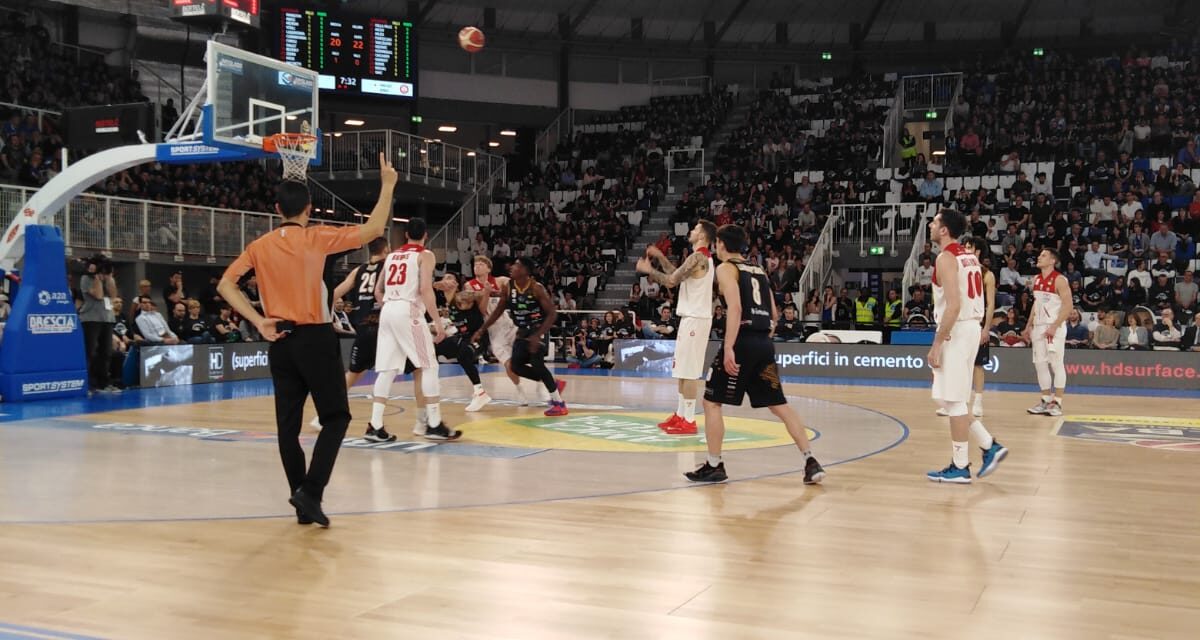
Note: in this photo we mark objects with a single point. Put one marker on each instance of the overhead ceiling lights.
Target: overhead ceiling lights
(493, 144)
(508, 132)
(448, 128)
(470, 154)
(354, 122)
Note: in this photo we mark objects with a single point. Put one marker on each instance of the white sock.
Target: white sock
(422, 417)
(714, 461)
(556, 396)
(377, 414)
(689, 410)
(960, 455)
(1047, 398)
(434, 412)
(479, 388)
(979, 399)
(806, 454)
(679, 405)
(981, 434)
(1057, 399)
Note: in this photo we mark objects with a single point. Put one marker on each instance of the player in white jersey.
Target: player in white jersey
(501, 335)
(695, 281)
(405, 287)
(958, 308)
(1047, 332)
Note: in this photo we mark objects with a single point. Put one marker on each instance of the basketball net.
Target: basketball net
(296, 151)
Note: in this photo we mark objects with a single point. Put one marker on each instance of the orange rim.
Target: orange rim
(271, 144)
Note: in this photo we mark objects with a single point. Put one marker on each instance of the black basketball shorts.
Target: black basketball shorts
(984, 355)
(362, 352)
(757, 376)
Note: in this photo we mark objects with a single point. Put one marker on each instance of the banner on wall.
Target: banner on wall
(1089, 368)
(168, 366)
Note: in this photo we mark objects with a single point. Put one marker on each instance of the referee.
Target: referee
(305, 354)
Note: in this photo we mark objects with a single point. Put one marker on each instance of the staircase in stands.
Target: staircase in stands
(616, 293)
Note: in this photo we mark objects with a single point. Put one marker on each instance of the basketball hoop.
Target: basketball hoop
(295, 150)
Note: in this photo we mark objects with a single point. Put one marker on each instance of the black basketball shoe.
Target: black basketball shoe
(442, 433)
(378, 435)
(814, 473)
(708, 473)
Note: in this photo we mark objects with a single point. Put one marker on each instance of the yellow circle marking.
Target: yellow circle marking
(620, 431)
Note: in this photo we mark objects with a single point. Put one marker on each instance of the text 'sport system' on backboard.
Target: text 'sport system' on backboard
(253, 97)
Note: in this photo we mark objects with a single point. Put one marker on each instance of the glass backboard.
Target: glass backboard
(253, 97)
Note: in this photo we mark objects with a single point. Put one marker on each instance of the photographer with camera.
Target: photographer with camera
(99, 290)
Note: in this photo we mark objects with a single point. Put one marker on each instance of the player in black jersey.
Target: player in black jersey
(746, 362)
(462, 321)
(533, 313)
(360, 286)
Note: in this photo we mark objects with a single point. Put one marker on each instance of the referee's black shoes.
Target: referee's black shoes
(308, 508)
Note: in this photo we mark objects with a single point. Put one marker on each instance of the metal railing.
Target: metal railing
(330, 206)
(42, 114)
(548, 140)
(929, 92)
(681, 85)
(417, 159)
(678, 167)
(869, 225)
(820, 262)
(92, 222)
(451, 243)
(920, 237)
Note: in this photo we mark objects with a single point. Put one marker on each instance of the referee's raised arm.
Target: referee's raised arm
(305, 354)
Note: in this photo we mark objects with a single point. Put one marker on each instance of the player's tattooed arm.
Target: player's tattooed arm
(695, 265)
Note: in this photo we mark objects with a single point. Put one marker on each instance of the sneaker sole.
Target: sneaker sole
(1000, 456)
(816, 479)
(1037, 413)
(378, 439)
(452, 437)
(471, 408)
(951, 480)
(941, 414)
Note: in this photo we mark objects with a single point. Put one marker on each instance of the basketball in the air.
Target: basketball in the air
(471, 39)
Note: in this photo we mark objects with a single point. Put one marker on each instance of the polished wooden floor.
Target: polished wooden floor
(1068, 539)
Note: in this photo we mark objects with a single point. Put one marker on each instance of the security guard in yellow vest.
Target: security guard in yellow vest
(908, 148)
(864, 308)
(892, 308)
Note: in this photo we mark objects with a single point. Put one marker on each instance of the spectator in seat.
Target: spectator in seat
(1191, 336)
(1042, 185)
(663, 328)
(1011, 280)
(916, 306)
(1133, 334)
(152, 326)
(1093, 261)
(789, 327)
(174, 292)
(1186, 293)
(178, 315)
(925, 273)
(341, 320)
(1139, 241)
(1187, 156)
(228, 328)
(931, 188)
(1022, 186)
(1130, 208)
(1168, 336)
(1106, 336)
(1104, 214)
(1097, 295)
(1163, 266)
(195, 328)
(1077, 331)
(1018, 213)
(1164, 240)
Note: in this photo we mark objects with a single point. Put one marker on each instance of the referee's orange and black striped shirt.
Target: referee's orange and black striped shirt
(289, 263)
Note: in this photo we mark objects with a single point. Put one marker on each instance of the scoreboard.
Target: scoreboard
(244, 12)
(355, 56)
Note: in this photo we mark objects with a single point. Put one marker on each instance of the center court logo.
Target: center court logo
(620, 432)
(1175, 434)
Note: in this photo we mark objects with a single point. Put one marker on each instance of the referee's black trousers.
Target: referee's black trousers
(309, 360)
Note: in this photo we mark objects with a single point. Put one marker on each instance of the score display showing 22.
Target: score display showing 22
(353, 56)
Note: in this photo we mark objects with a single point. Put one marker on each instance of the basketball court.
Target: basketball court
(162, 512)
